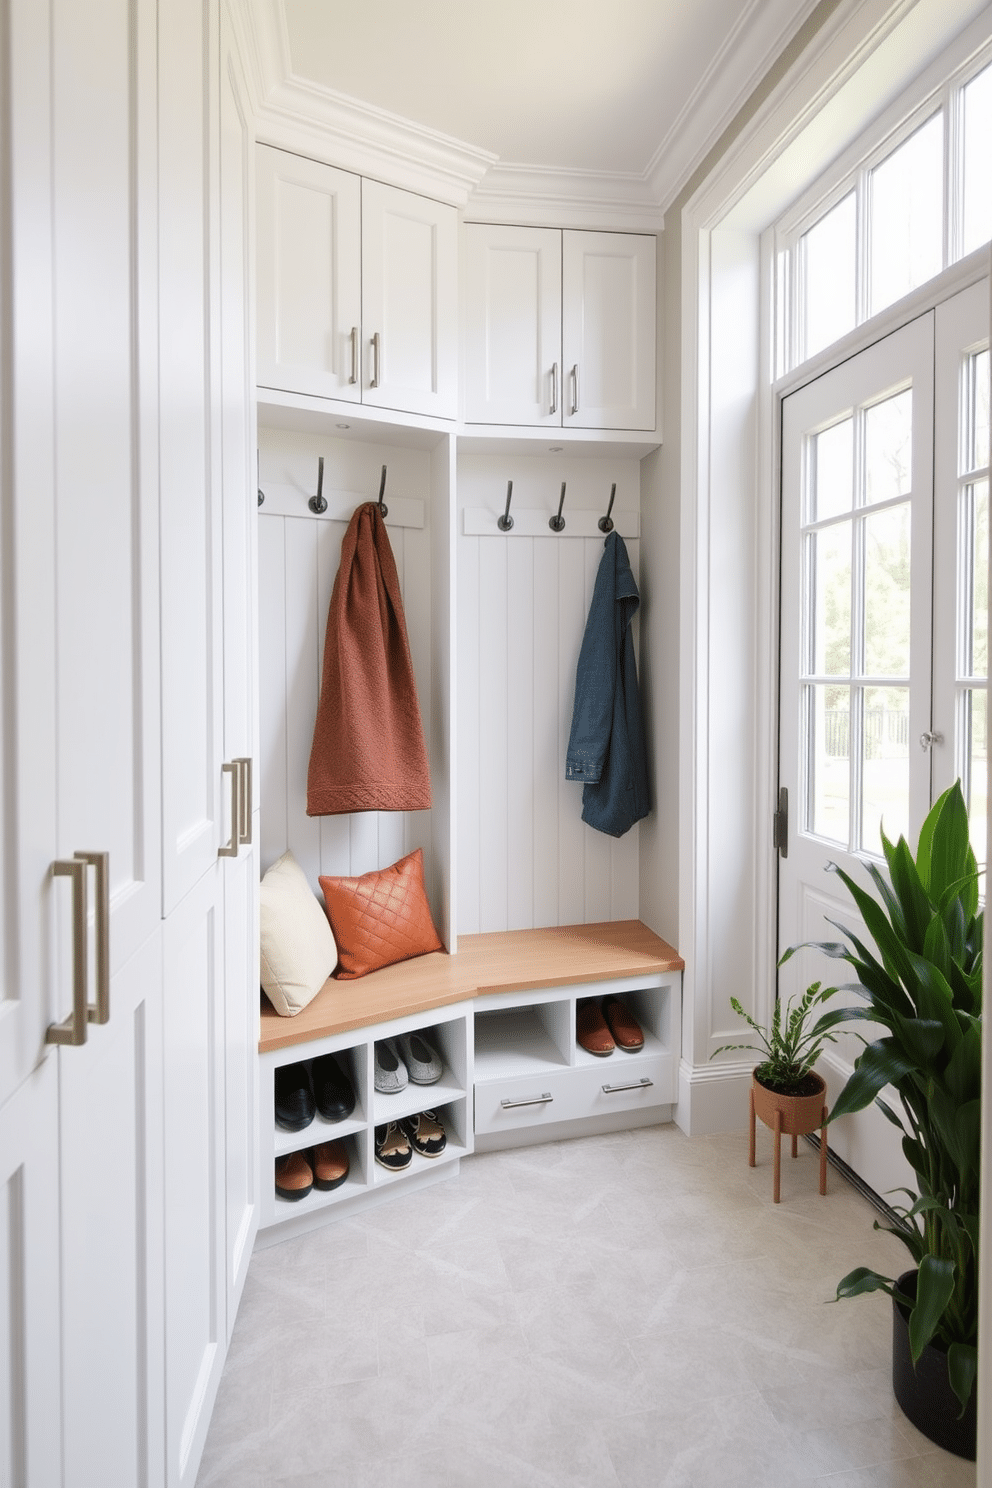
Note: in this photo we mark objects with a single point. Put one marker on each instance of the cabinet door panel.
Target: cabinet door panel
(608, 330)
(512, 324)
(409, 301)
(109, 1157)
(309, 276)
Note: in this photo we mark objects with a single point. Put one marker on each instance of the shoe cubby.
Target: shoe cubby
(454, 1116)
(533, 1077)
(449, 1033)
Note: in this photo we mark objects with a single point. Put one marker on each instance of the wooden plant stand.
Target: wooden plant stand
(795, 1115)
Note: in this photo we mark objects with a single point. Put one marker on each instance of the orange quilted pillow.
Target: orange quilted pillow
(380, 917)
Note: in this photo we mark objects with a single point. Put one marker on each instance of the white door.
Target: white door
(857, 513)
(309, 276)
(885, 480)
(409, 301)
(608, 330)
(512, 324)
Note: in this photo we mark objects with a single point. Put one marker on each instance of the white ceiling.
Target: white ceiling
(635, 90)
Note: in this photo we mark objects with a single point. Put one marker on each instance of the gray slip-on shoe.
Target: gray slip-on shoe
(390, 1071)
(423, 1062)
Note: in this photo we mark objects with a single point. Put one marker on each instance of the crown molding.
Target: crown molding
(541, 196)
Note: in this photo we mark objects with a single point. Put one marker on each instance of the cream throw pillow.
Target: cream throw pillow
(298, 951)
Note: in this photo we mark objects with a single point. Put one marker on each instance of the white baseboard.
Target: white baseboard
(712, 1099)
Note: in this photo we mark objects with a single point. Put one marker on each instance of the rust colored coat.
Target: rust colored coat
(368, 750)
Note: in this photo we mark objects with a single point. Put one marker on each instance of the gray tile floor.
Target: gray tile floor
(622, 1310)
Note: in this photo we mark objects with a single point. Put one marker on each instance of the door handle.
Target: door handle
(575, 388)
(230, 850)
(99, 1012)
(354, 355)
(73, 1029)
(554, 389)
(376, 355)
(243, 766)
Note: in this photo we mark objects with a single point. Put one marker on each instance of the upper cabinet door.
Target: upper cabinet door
(512, 325)
(608, 330)
(309, 276)
(409, 301)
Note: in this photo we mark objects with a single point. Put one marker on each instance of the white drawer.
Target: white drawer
(571, 1094)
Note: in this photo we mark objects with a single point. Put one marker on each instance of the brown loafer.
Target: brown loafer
(294, 1176)
(591, 1031)
(622, 1024)
(330, 1165)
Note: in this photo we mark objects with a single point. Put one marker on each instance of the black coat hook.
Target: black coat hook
(557, 524)
(505, 522)
(605, 523)
(317, 504)
(383, 508)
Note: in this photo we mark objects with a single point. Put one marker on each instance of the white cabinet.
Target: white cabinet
(559, 327)
(357, 288)
(532, 1076)
(449, 1032)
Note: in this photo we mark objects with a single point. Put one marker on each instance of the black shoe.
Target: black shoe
(426, 1133)
(392, 1147)
(332, 1089)
(295, 1106)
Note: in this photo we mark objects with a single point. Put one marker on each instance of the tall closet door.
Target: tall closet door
(309, 276)
(409, 301)
(608, 330)
(512, 334)
(239, 521)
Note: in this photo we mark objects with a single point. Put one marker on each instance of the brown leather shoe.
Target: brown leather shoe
(590, 1029)
(294, 1176)
(622, 1024)
(330, 1164)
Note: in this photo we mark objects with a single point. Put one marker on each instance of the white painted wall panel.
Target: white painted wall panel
(298, 561)
(525, 856)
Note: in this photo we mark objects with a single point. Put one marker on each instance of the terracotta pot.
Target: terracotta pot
(795, 1115)
(800, 1113)
(924, 1392)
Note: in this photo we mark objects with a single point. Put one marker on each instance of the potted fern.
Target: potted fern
(786, 1092)
(923, 986)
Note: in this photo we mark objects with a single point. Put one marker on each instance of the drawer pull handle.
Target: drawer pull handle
(641, 1084)
(536, 1100)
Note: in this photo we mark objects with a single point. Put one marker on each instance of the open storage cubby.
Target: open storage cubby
(532, 1076)
(450, 1034)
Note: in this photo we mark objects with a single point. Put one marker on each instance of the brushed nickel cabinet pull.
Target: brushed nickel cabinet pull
(99, 1012)
(243, 765)
(376, 354)
(575, 389)
(354, 355)
(73, 1030)
(537, 1100)
(554, 389)
(641, 1084)
(231, 849)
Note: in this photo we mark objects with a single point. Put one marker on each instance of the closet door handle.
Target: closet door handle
(641, 1084)
(99, 1012)
(231, 849)
(575, 388)
(243, 765)
(354, 355)
(536, 1100)
(73, 1030)
(554, 389)
(376, 355)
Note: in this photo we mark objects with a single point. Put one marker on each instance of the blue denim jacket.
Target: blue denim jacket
(606, 747)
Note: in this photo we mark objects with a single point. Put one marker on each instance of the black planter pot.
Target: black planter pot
(924, 1392)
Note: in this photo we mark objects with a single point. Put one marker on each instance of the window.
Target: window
(918, 201)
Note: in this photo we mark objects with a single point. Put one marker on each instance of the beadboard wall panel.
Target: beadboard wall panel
(525, 857)
(298, 559)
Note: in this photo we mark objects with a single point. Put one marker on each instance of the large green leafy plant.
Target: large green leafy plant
(925, 988)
